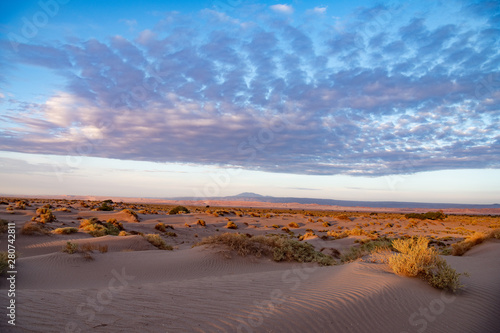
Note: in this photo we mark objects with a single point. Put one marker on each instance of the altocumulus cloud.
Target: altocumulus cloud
(385, 90)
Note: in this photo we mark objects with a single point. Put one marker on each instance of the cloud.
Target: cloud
(283, 9)
(317, 10)
(392, 94)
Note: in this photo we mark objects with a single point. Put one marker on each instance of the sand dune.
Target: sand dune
(134, 287)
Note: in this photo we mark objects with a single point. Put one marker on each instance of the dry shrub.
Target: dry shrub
(202, 223)
(157, 241)
(65, 231)
(4, 226)
(468, 243)
(231, 225)
(369, 247)
(281, 248)
(131, 213)
(337, 235)
(45, 215)
(31, 228)
(160, 227)
(123, 233)
(63, 209)
(416, 259)
(293, 225)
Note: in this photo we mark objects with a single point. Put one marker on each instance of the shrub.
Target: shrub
(171, 234)
(293, 225)
(439, 215)
(4, 261)
(63, 209)
(45, 215)
(178, 209)
(325, 224)
(416, 259)
(4, 225)
(70, 248)
(131, 213)
(160, 227)
(105, 206)
(281, 248)
(275, 226)
(65, 231)
(97, 229)
(123, 233)
(462, 247)
(343, 217)
(369, 247)
(31, 228)
(157, 241)
(20, 205)
(231, 225)
(202, 223)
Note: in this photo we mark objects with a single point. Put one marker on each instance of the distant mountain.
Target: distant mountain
(248, 196)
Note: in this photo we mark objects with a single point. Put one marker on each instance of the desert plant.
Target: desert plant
(231, 225)
(106, 206)
(178, 209)
(45, 215)
(416, 259)
(160, 227)
(131, 213)
(462, 247)
(70, 247)
(281, 248)
(4, 225)
(439, 215)
(157, 241)
(293, 225)
(123, 233)
(326, 224)
(31, 228)
(366, 248)
(202, 223)
(65, 231)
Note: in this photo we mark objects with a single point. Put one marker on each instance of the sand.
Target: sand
(135, 287)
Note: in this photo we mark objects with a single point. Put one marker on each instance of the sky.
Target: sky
(347, 100)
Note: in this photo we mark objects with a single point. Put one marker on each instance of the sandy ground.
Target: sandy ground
(135, 287)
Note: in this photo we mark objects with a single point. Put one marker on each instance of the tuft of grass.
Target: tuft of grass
(157, 241)
(325, 224)
(202, 223)
(280, 248)
(275, 226)
(123, 233)
(416, 259)
(293, 225)
(65, 231)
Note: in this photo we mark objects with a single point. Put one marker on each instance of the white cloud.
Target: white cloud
(284, 9)
(317, 10)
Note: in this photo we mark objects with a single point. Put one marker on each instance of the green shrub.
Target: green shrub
(105, 206)
(439, 215)
(70, 248)
(178, 209)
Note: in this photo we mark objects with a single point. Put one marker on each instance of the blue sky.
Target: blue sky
(355, 100)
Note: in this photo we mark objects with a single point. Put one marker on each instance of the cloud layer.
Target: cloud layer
(386, 90)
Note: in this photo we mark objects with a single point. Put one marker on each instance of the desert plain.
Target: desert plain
(118, 266)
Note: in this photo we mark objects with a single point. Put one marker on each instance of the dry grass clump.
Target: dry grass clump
(202, 223)
(160, 227)
(65, 231)
(337, 235)
(63, 209)
(416, 259)
(462, 247)
(293, 225)
(123, 233)
(281, 248)
(157, 241)
(31, 228)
